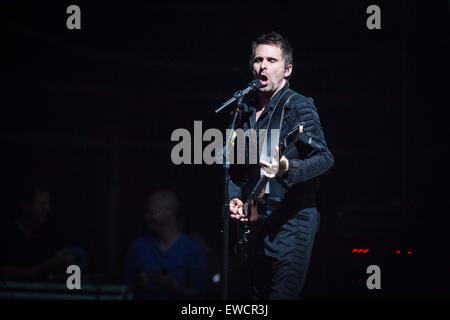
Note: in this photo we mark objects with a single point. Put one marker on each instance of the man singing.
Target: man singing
(288, 210)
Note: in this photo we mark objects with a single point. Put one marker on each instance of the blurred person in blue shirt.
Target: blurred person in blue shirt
(165, 263)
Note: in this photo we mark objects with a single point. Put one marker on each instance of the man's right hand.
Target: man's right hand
(237, 210)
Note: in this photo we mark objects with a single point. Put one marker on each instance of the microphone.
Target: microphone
(252, 86)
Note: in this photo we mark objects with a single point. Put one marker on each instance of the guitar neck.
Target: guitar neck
(259, 187)
(290, 140)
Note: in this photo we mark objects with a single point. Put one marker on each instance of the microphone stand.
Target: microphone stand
(226, 205)
(239, 96)
(254, 85)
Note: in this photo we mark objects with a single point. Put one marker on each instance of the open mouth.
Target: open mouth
(264, 80)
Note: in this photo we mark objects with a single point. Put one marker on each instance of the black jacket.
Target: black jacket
(307, 160)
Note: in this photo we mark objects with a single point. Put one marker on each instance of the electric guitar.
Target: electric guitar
(243, 247)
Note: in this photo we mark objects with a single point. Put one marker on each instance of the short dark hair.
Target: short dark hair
(275, 39)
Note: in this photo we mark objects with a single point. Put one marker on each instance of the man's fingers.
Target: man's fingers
(236, 209)
(239, 217)
(268, 165)
(236, 201)
(235, 204)
(268, 175)
(274, 161)
(264, 164)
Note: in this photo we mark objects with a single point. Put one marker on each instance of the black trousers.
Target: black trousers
(279, 267)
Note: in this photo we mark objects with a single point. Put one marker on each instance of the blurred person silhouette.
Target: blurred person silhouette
(28, 249)
(165, 263)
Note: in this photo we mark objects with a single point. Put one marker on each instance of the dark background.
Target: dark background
(92, 111)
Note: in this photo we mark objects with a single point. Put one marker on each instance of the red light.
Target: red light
(359, 251)
(397, 252)
(410, 253)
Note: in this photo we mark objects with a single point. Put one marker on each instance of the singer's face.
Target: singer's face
(270, 68)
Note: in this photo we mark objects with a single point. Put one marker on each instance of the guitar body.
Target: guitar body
(246, 231)
(245, 245)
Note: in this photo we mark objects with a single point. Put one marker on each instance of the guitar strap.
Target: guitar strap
(272, 136)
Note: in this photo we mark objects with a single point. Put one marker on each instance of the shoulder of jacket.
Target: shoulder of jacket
(299, 100)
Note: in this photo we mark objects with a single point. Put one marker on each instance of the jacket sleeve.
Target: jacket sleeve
(234, 191)
(313, 157)
(239, 175)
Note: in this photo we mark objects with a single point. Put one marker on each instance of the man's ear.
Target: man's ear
(288, 71)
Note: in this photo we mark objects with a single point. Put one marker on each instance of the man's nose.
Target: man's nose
(264, 65)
